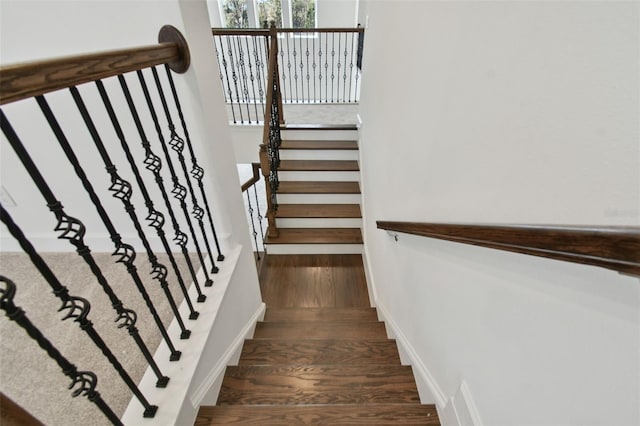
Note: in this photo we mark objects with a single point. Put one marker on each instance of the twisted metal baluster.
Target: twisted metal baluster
(86, 380)
(226, 74)
(259, 67)
(121, 190)
(73, 230)
(283, 75)
(326, 68)
(313, 65)
(295, 66)
(159, 271)
(243, 75)
(320, 67)
(252, 78)
(307, 70)
(333, 57)
(260, 218)
(177, 144)
(152, 163)
(197, 172)
(234, 77)
(76, 308)
(253, 225)
(286, 36)
(179, 192)
(344, 75)
(351, 66)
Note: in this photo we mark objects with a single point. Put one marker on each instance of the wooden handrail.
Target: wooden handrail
(265, 32)
(254, 179)
(612, 247)
(30, 79)
(239, 32)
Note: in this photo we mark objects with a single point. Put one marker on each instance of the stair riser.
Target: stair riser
(319, 198)
(319, 223)
(314, 248)
(319, 135)
(318, 154)
(322, 176)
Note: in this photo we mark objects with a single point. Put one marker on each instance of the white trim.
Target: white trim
(471, 405)
(219, 368)
(419, 369)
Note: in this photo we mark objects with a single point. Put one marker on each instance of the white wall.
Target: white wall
(506, 112)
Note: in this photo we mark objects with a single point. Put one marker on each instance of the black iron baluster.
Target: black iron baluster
(215, 47)
(177, 144)
(226, 73)
(301, 66)
(333, 57)
(338, 66)
(73, 230)
(353, 36)
(344, 76)
(152, 163)
(260, 218)
(313, 65)
(77, 307)
(308, 68)
(121, 190)
(326, 68)
(252, 78)
(286, 36)
(295, 66)
(197, 172)
(234, 77)
(179, 192)
(259, 67)
(86, 380)
(253, 225)
(243, 75)
(320, 67)
(283, 75)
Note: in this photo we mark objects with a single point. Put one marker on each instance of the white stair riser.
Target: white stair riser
(338, 176)
(319, 198)
(319, 222)
(320, 135)
(318, 154)
(314, 248)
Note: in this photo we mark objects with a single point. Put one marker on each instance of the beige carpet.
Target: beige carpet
(33, 380)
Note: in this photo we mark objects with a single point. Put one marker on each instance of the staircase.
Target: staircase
(319, 194)
(319, 366)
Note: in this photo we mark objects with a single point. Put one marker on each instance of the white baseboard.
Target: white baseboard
(206, 388)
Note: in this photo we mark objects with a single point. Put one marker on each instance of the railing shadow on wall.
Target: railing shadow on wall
(140, 81)
(316, 66)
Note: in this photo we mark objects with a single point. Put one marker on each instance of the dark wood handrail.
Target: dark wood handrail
(254, 179)
(612, 247)
(25, 80)
(239, 32)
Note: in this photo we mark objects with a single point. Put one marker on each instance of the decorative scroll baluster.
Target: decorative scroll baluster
(82, 382)
(259, 70)
(351, 66)
(333, 67)
(152, 162)
(286, 36)
(253, 225)
(76, 308)
(234, 76)
(301, 66)
(197, 172)
(326, 68)
(344, 75)
(177, 144)
(308, 75)
(320, 67)
(243, 76)
(252, 78)
(121, 190)
(228, 84)
(73, 230)
(260, 218)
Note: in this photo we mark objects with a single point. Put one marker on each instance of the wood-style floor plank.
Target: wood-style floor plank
(318, 165)
(316, 236)
(319, 352)
(365, 414)
(320, 314)
(293, 281)
(319, 210)
(320, 330)
(279, 385)
(318, 187)
(333, 145)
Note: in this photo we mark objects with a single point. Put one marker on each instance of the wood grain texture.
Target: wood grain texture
(280, 385)
(22, 81)
(319, 352)
(11, 414)
(316, 187)
(365, 414)
(320, 330)
(616, 248)
(319, 211)
(253, 179)
(316, 236)
(320, 314)
(317, 145)
(318, 166)
(310, 281)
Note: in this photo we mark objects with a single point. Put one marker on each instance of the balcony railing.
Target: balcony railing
(315, 66)
(116, 97)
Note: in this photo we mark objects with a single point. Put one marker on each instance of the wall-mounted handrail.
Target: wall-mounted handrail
(612, 247)
(21, 81)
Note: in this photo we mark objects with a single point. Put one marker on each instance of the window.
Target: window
(303, 13)
(234, 14)
(268, 11)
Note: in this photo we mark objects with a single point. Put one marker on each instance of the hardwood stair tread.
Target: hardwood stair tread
(316, 236)
(318, 385)
(320, 330)
(320, 314)
(319, 352)
(318, 165)
(318, 187)
(319, 211)
(315, 144)
(319, 127)
(370, 414)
